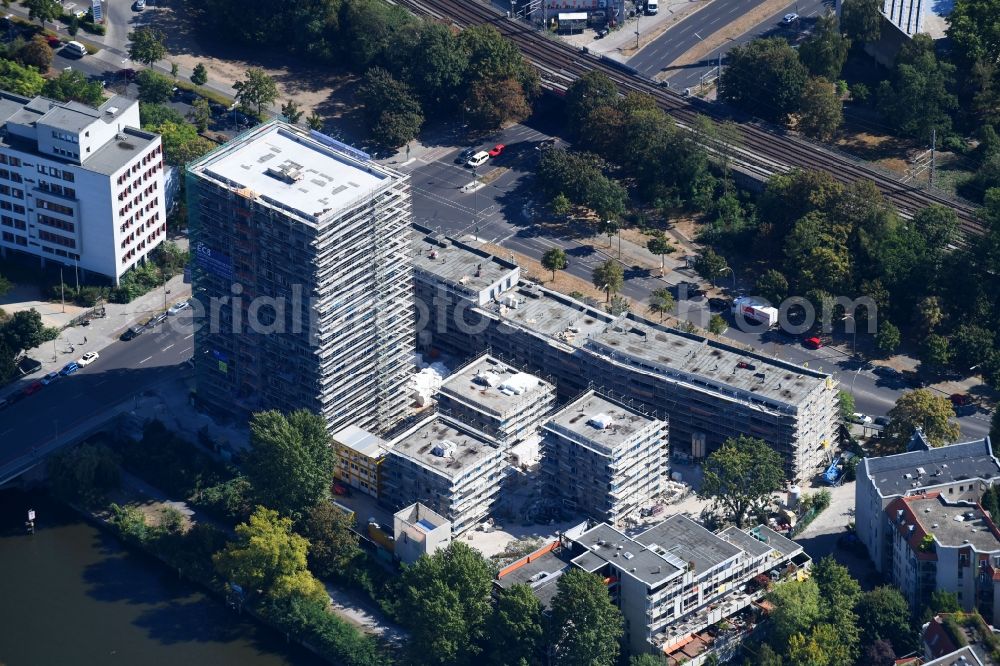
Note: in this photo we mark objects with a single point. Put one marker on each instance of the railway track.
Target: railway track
(765, 150)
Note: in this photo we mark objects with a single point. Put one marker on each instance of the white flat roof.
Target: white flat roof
(320, 179)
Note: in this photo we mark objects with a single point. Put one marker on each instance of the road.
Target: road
(124, 369)
(656, 56)
(502, 213)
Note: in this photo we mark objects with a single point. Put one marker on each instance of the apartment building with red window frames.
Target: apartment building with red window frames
(80, 186)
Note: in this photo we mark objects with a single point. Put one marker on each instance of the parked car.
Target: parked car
(882, 421)
(139, 5)
(886, 372)
(74, 49)
(960, 399)
(177, 308)
(496, 150)
(464, 156)
(53, 41)
(813, 342)
(133, 332)
(790, 19)
(33, 388)
(69, 368)
(601, 33)
(49, 378)
(858, 417)
(87, 359)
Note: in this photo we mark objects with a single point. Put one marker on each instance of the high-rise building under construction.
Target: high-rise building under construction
(303, 275)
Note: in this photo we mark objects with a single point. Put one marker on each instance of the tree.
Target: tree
(845, 405)
(333, 544)
(919, 97)
(609, 228)
(933, 414)
(710, 265)
(23, 331)
(561, 205)
(256, 92)
(554, 260)
(659, 245)
(766, 656)
(154, 88)
(147, 46)
(181, 142)
(861, 20)
(717, 325)
(199, 75)
(772, 285)
(291, 111)
(935, 352)
(825, 51)
(591, 91)
(971, 346)
(73, 85)
(610, 277)
(943, 601)
(268, 558)
(315, 122)
(796, 609)
(434, 64)
(515, 628)
(201, 114)
(764, 78)
(20, 80)
(740, 477)
(879, 653)
(290, 464)
(43, 10)
(492, 103)
(445, 601)
(391, 110)
(821, 647)
(36, 53)
(995, 431)
(821, 111)
(83, 473)
(887, 338)
(585, 626)
(73, 26)
(884, 614)
(661, 302)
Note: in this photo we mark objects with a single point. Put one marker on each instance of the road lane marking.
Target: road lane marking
(144, 360)
(166, 348)
(189, 336)
(103, 381)
(185, 349)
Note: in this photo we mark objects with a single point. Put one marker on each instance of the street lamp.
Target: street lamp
(854, 342)
(730, 269)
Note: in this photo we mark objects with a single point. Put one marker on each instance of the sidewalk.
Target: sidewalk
(74, 341)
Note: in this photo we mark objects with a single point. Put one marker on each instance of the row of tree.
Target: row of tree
(413, 69)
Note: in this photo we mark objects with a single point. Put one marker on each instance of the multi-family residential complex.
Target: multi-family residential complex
(604, 459)
(80, 186)
(497, 399)
(708, 390)
(448, 467)
(302, 264)
(671, 582)
(918, 515)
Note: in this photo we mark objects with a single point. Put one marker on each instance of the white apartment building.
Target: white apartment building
(604, 459)
(80, 186)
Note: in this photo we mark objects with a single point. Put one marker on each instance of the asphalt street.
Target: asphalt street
(124, 369)
(658, 54)
(502, 212)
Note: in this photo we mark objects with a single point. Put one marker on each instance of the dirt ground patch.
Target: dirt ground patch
(313, 88)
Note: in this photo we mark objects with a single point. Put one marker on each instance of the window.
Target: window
(55, 223)
(51, 205)
(9, 237)
(68, 175)
(56, 239)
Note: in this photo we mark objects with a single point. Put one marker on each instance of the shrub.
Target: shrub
(329, 635)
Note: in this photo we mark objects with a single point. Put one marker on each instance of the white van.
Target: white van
(75, 48)
(652, 6)
(478, 160)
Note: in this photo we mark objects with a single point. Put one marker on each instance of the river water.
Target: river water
(70, 595)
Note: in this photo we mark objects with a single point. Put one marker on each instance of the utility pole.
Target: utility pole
(933, 149)
(76, 271)
(637, 15)
(62, 290)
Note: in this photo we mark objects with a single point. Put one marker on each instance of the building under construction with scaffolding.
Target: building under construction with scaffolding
(709, 391)
(302, 264)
